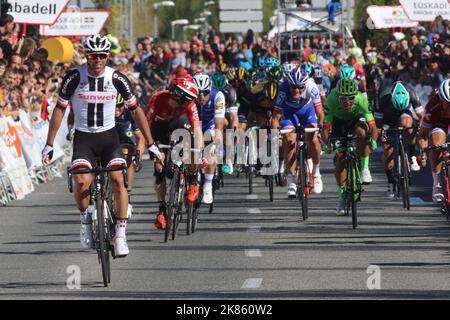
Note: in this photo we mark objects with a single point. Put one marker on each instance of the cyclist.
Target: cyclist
(398, 106)
(170, 110)
(374, 75)
(348, 110)
(359, 73)
(293, 103)
(131, 140)
(92, 91)
(312, 91)
(436, 125)
(211, 107)
(220, 82)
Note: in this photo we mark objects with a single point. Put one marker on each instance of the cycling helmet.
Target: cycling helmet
(231, 74)
(219, 81)
(372, 59)
(307, 67)
(184, 88)
(400, 96)
(288, 67)
(318, 72)
(329, 73)
(444, 90)
(271, 90)
(313, 58)
(202, 81)
(97, 44)
(272, 62)
(223, 67)
(274, 73)
(298, 77)
(351, 60)
(241, 73)
(261, 62)
(347, 88)
(347, 72)
(119, 101)
(251, 76)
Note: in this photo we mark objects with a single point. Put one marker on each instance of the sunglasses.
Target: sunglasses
(204, 92)
(297, 87)
(94, 56)
(347, 99)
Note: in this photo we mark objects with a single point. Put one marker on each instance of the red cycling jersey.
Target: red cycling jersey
(435, 115)
(161, 109)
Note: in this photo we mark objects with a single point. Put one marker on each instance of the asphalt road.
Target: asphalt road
(248, 249)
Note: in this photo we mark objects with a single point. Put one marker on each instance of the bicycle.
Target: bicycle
(445, 206)
(174, 213)
(353, 185)
(404, 170)
(303, 179)
(103, 221)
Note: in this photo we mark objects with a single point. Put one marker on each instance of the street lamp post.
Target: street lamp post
(155, 16)
(178, 22)
(190, 27)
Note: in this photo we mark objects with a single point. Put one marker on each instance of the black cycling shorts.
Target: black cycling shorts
(341, 128)
(104, 146)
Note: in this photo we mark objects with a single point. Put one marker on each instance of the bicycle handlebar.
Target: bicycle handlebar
(98, 170)
(305, 130)
(171, 147)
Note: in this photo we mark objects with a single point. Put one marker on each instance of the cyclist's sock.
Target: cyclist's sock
(208, 180)
(390, 176)
(365, 163)
(436, 178)
(341, 192)
(85, 216)
(121, 226)
(316, 170)
(281, 166)
(290, 179)
(411, 150)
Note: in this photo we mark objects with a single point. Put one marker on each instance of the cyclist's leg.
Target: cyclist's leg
(407, 121)
(340, 129)
(437, 137)
(209, 135)
(362, 130)
(388, 154)
(289, 145)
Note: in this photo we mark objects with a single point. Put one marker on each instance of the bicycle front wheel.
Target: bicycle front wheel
(173, 203)
(103, 241)
(404, 179)
(270, 178)
(302, 183)
(352, 195)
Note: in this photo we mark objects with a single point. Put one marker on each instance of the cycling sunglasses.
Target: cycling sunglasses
(347, 99)
(94, 56)
(302, 87)
(204, 92)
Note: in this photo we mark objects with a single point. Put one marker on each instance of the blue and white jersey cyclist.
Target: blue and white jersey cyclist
(211, 108)
(294, 107)
(92, 91)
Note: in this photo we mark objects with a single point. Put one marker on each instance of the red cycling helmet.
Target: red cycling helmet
(180, 72)
(184, 88)
(351, 60)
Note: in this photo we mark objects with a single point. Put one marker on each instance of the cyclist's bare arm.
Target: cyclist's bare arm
(141, 121)
(55, 124)
(423, 137)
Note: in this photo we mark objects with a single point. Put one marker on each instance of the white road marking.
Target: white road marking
(253, 253)
(254, 211)
(419, 201)
(251, 196)
(252, 283)
(254, 229)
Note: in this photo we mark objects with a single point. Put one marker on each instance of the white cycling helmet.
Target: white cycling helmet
(97, 44)
(202, 81)
(444, 90)
(288, 67)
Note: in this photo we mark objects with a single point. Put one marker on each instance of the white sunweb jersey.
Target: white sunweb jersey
(93, 99)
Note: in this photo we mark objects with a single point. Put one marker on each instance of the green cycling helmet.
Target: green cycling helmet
(347, 72)
(251, 75)
(347, 88)
(120, 100)
(219, 81)
(274, 73)
(400, 97)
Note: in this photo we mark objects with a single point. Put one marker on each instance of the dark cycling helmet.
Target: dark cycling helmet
(444, 90)
(272, 62)
(400, 96)
(347, 88)
(307, 67)
(318, 72)
(231, 74)
(223, 67)
(271, 90)
(97, 44)
(251, 76)
(120, 102)
(275, 73)
(347, 72)
(219, 81)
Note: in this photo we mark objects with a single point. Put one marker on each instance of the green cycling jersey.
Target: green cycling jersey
(335, 109)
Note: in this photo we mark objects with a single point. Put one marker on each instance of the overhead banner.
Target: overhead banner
(44, 12)
(426, 10)
(384, 17)
(77, 24)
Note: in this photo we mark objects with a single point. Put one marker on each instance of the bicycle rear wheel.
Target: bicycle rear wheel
(302, 183)
(103, 242)
(172, 205)
(270, 178)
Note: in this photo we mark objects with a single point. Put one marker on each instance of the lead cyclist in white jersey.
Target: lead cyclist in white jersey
(92, 91)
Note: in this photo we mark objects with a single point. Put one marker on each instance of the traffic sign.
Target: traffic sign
(389, 17)
(426, 10)
(80, 24)
(44, 12)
